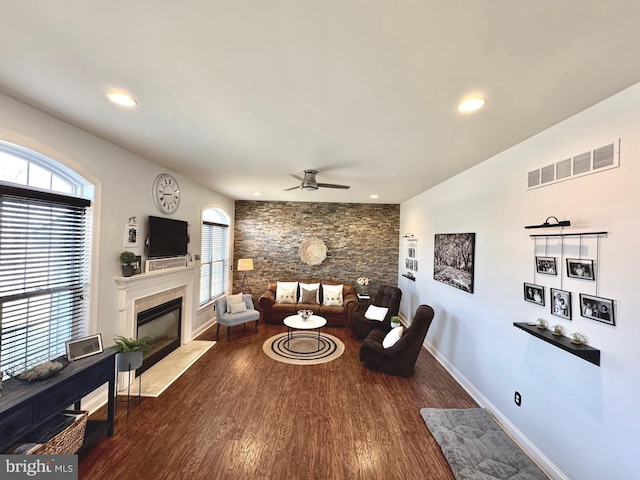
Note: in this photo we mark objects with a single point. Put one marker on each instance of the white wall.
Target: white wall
(582, 420)
(123, 182)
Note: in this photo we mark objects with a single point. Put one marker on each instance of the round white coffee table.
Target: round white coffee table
(296, 322)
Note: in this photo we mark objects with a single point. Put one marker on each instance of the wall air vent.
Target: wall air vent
(594, 161)
(582, 163)
(563, 169)
(548, 173)
(534, 178)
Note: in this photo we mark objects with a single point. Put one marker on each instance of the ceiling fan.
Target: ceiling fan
(309, 182)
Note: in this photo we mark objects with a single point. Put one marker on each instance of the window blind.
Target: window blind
(215, 260)
(43, 275)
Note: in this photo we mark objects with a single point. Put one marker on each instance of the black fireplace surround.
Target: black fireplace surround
(162, 324)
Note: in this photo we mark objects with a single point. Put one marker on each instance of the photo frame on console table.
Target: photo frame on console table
(597, 308)
(84, 347)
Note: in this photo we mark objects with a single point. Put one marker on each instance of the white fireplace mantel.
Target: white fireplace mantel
(137, 287)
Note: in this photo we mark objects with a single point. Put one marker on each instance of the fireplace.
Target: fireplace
(162, 324)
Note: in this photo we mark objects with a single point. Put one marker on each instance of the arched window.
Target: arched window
(215, 254)
(45, 227)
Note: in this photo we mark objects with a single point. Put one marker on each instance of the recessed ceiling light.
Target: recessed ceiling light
(122, 99)
(472, 103)
(257, 194)
(373, 196)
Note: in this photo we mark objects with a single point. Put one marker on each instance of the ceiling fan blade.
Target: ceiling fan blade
(292, 188)
(333, 185)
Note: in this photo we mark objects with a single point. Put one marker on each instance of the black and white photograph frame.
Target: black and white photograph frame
(581, 268)
(137, 267)
(131, 235)
(534, 293)
(84, 347)
(412, 252)
(560, 303)
(546, 265)
(454, 259)
(597, 308)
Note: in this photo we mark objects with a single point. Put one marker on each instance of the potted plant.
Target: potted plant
(395, 322)
(128, 259)
(130, 352)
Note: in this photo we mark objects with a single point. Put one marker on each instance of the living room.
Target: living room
(577, 419)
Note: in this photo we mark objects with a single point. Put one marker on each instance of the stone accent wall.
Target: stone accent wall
(361, 240)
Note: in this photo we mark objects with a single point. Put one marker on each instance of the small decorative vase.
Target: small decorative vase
(305, 314)
(127, 270)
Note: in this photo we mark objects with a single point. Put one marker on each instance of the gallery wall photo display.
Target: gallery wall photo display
(561, 303)
(546, 265)
(453, 259)
(597, 308)
(534, 293)
(577, 268)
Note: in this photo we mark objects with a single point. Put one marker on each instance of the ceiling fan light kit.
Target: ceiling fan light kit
(309, 183)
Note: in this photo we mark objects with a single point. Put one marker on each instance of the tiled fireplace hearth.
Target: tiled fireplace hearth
(142, 292)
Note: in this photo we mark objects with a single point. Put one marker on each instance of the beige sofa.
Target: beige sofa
(337, 315)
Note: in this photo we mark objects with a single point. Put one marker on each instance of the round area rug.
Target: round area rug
(303, 348)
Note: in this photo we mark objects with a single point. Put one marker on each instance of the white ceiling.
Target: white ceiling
(238, 95)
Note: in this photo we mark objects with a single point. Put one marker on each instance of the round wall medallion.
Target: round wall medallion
(313, 251)
(166, 193)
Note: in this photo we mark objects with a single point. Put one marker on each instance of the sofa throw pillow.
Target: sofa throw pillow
(308, 287)
(392, 337)
(308, 296)
(238, 307)
(286, 292)
(376, 313)
(332, 295)
(234, 299)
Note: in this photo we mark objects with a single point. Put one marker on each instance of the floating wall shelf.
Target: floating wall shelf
(585, 352)
(407, 276)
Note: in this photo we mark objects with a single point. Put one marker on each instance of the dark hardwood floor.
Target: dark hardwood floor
(236, 414)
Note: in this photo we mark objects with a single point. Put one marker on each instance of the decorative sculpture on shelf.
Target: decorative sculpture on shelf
(313, 251)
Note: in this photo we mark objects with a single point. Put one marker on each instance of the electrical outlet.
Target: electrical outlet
(517, 398)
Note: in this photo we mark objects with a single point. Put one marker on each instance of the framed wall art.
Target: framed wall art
(546, 265)
(597, 308)
(453, 259)
(534, 293)
(583, 269)
(561, 303)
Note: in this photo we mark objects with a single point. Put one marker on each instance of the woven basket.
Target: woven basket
(69, 440)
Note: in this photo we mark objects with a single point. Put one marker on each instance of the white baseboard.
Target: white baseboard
(517, 436)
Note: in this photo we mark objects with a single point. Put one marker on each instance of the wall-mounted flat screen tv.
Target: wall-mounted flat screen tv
(166, 237)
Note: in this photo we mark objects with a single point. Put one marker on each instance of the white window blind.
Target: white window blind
(215, 260)
(43, 268)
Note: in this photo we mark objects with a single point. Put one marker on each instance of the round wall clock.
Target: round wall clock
(166, 193)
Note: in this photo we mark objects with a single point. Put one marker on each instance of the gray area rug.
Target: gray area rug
(477, 448)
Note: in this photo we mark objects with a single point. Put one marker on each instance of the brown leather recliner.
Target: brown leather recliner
(387, 297)
(399, 359)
